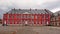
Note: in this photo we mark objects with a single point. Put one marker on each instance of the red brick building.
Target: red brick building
(27, 16)
(55, 19)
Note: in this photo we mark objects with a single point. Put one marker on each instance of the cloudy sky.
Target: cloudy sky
(52, 5)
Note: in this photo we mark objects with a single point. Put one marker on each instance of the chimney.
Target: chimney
(13, 9)
(46, 11)
(30, 9)
(58, 14)
(19, 9)
(35, 9)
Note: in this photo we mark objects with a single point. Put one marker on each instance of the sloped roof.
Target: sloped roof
(32, 11)
(57, 13)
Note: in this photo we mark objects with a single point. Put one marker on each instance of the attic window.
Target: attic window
(26, 13)
(58, 14)
(6, 13)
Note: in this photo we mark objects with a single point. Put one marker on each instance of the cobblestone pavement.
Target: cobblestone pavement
(29, 30)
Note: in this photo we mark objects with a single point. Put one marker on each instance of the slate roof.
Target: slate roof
(32, 11)
(57, 13)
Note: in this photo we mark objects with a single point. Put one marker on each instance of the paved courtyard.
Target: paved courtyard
(29, 30)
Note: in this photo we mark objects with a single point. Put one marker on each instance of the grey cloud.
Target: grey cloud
(50, 5)
(47, 5)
